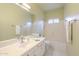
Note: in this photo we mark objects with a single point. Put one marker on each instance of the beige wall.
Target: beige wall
(37, 12)
(71, 9)
(11, 15)
(57, 13)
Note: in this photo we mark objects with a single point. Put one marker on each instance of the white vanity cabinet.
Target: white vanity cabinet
(32, 47)
(37, 50)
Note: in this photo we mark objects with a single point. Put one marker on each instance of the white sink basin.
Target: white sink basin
(18, 48)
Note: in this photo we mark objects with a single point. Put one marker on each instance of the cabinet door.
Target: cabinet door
(37, 50)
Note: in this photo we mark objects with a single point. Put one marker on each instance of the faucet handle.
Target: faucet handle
(22, 38)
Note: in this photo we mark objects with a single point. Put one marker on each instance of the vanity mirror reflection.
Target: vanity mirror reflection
(17, 20)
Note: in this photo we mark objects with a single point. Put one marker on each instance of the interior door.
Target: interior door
(55, 34)
(55, 31)
(74, 48)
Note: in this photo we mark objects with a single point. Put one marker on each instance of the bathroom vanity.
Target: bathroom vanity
(30, 47)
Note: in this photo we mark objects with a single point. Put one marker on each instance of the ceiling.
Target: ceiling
(50, 6)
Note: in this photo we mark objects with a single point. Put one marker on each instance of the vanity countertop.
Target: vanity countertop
(17, 49)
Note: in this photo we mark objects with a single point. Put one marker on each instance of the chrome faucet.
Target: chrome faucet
(22, 39)
(18, 36)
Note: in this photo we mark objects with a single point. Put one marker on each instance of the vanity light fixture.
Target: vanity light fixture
(70, 18)
(53, 21)
(50, 21)
(24, 6)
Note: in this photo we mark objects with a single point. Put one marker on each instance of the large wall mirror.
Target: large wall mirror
(14, 19)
